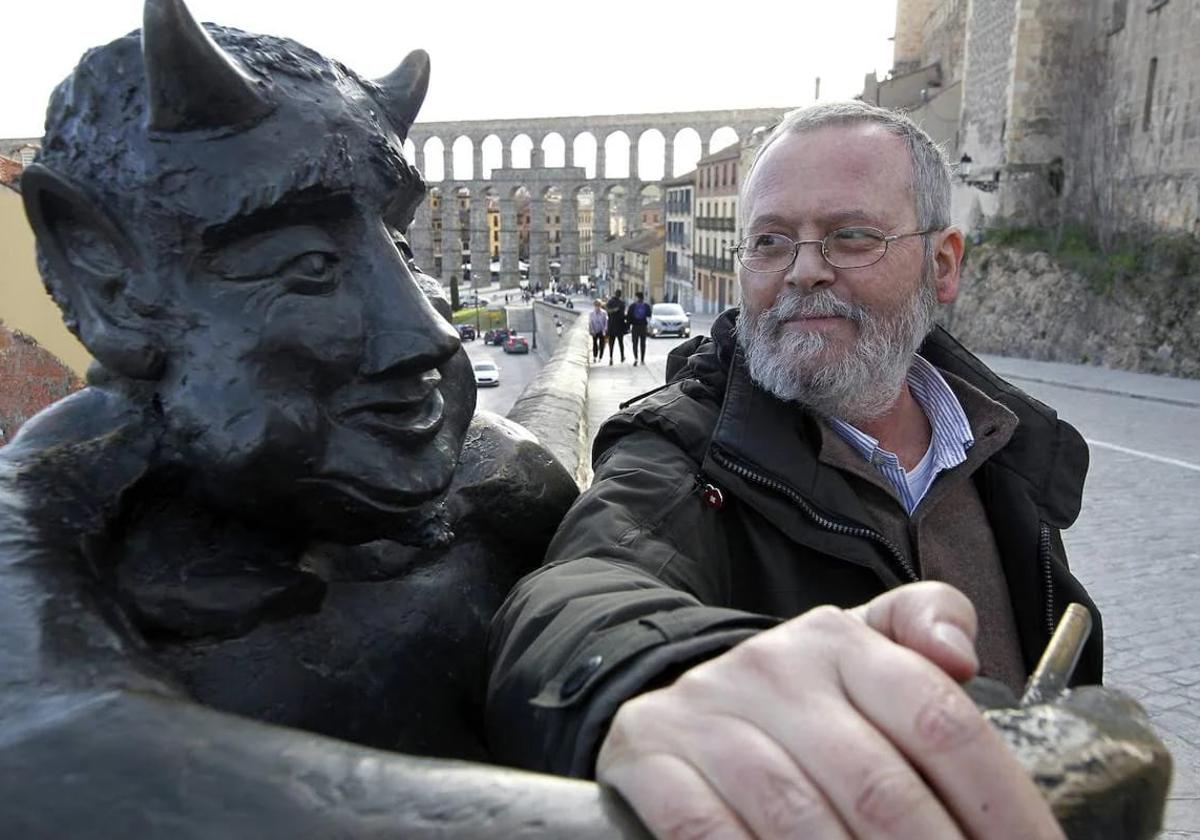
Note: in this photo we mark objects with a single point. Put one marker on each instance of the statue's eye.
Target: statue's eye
(310, 274)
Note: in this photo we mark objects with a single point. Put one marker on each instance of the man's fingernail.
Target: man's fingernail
(954, 638)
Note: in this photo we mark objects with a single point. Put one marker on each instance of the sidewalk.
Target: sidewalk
(1146, 386)
(609, 386)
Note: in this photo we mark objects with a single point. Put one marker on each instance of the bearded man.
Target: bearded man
(757, 620)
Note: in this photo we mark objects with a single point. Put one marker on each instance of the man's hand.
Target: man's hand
(835, 724)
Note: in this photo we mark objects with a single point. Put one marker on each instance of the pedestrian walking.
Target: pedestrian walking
(616, 325)
(639, 323)
(597, 327)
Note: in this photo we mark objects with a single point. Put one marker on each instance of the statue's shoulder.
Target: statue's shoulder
(508, 484)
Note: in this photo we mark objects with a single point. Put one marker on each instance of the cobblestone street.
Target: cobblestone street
(1135, 544)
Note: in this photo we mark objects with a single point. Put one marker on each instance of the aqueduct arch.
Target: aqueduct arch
(578, 135)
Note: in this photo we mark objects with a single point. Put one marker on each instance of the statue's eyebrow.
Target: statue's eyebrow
(308, 205)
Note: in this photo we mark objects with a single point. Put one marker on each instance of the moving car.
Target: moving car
(500, 336)
(487, 374)
(466, 332)
(516, 344)
(669, 319)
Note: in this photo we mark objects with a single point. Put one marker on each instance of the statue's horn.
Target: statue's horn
(191, 82)
(404, 91)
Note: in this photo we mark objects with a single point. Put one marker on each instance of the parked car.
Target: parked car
(466, 332)
(501, 335)
(669, 319)
(487, 374)
(516, 344)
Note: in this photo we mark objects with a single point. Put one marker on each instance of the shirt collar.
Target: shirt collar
(951, 431)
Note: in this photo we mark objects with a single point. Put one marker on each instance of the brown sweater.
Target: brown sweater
(948, 537)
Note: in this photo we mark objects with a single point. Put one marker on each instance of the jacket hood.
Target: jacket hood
(1048, 454)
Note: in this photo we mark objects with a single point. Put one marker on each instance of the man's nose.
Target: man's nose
(810, 270)
(404, 333)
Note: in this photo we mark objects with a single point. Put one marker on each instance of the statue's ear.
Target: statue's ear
(93, 265)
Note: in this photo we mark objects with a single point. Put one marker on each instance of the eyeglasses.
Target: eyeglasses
(851, 247)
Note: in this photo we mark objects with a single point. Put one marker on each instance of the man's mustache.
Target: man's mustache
(820, 304)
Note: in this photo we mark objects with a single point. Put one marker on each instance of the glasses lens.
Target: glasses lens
(766, 252)
(855, 247)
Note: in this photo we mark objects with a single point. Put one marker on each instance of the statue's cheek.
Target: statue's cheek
(304, 332)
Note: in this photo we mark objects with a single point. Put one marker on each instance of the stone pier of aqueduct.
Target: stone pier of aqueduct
(603, 155)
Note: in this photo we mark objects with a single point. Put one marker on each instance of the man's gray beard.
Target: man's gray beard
(860, 386)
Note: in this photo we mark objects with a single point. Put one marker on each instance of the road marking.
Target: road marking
(1175, 462)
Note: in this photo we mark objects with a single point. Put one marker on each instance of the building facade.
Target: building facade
(716, 225)
(641, 265)
(678, 268)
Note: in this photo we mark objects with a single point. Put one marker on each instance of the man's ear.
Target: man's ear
(947, 263)
(93, 266)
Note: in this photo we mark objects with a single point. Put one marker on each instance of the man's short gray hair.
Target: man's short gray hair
(931, 170)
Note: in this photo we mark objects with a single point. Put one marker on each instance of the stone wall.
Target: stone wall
(546, 313)
(1160, 123)
(943, 37)
(554, 405)
(1017, 303)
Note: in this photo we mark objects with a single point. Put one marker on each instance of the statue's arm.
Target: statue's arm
(130, 764)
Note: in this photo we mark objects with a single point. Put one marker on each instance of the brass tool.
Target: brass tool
(1060, 657)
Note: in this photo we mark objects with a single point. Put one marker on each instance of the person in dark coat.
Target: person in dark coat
(616, 324)
(638, 317)
(759, 615)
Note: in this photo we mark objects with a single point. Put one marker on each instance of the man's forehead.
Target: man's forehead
(858, 166)
(839, 149)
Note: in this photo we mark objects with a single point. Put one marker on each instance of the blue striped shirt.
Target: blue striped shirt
(948, 445)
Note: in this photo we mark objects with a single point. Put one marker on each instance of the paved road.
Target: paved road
(1137, 542)
(516, 370)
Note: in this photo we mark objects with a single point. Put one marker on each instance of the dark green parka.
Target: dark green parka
(710, 518)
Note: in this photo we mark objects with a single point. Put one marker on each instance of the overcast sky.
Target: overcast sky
(510, 58)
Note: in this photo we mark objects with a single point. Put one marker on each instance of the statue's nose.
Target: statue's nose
(405, 334)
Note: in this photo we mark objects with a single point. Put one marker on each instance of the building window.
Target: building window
(1149, 94)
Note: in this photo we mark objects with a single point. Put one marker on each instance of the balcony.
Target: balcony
(715, 223)
(724, 264)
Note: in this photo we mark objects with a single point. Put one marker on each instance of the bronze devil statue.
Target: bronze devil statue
(274, 502)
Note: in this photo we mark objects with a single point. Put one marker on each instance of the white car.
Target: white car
(669, 319)
(486, 374)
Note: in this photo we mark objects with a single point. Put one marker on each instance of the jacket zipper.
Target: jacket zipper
(812, 513)
(1047, 580)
